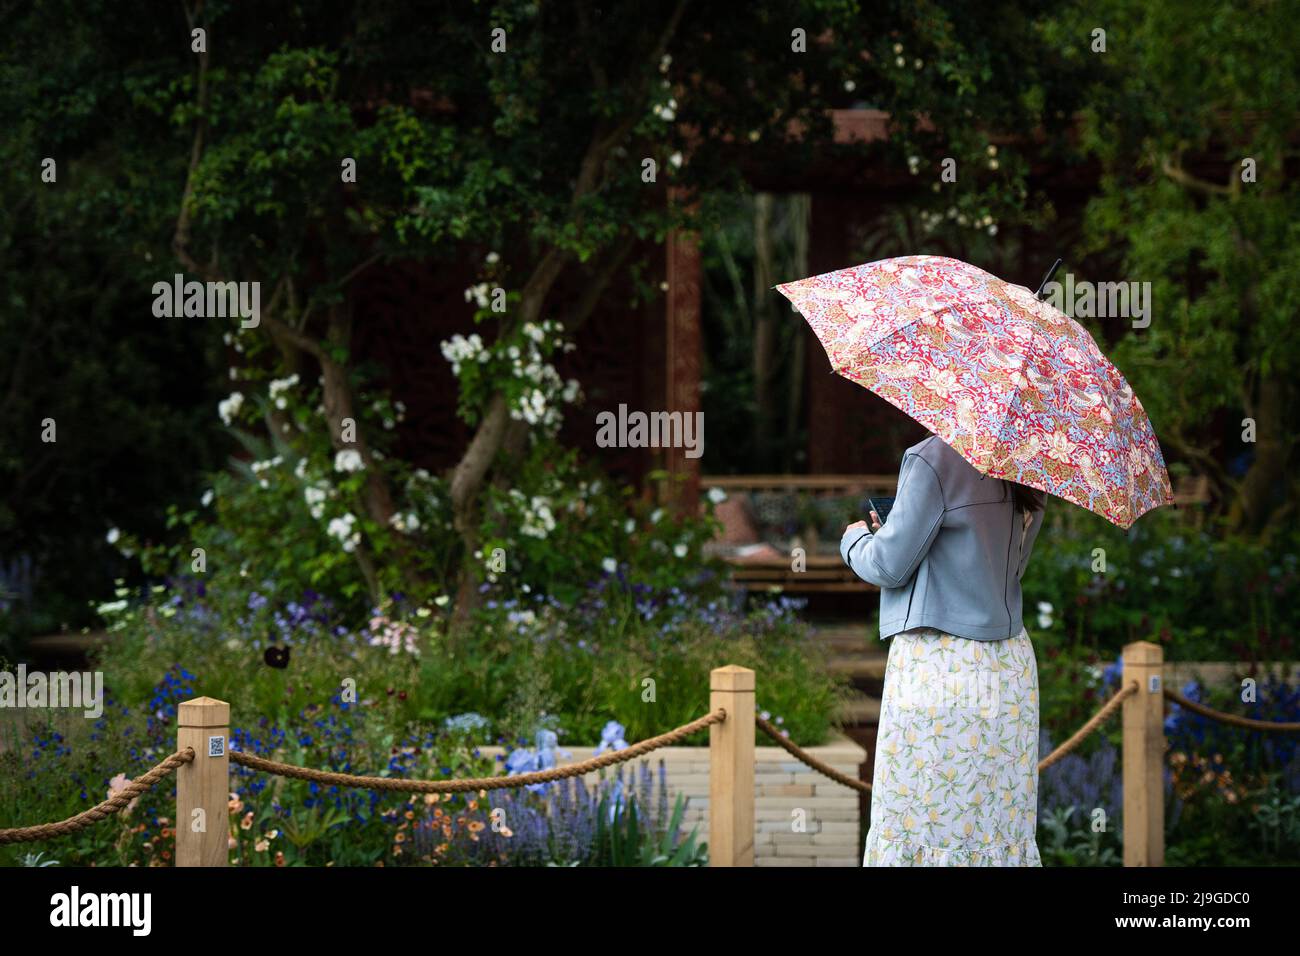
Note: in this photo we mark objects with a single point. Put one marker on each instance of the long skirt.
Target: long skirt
(956, 772)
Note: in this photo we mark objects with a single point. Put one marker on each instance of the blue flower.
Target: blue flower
(611, 738)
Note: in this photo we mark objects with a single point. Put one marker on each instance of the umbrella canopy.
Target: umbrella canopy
(1017, 387)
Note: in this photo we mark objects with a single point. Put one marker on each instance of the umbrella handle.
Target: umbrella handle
(1046, 279)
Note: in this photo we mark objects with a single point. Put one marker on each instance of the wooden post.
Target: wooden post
(731, 768)
(203, 785)
(1144, 756)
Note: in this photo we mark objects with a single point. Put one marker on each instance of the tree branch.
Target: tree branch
(181, 238)
(1179, 175)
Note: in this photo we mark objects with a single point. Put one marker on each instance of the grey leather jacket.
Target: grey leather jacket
(952, 551)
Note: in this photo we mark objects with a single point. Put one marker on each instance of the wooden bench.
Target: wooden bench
(823, 572)
(827, 572)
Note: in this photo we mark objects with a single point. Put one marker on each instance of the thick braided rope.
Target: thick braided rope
(1232, 719)
(809, 759)
(481, 783)
(113, 804)
(1093, 723)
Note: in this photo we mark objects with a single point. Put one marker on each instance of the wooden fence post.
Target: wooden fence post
(203, 785)
(1144, 755)
(731, 768)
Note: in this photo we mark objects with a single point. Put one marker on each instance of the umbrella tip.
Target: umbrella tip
(1046, 279)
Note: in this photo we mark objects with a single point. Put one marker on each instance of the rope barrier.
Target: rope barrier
(768, 728)
(862, 787)
(1093, 723)
(1232, 719)
(100, 811)
(481, 783)
(149, 779)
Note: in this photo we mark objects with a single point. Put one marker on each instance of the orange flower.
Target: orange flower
(279, 858)
(475, 826)
(399, 837)
(409, 815)
(247, 822)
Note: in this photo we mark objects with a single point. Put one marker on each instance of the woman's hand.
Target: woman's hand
(875, 524)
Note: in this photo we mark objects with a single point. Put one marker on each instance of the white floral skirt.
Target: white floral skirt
(956, 772)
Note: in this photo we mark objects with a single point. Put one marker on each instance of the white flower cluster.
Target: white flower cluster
(228, 408)
(538, 520)
(666, 111)
(114, 535)
(405, 522)
(258, 467)
(348, 460)
(316, 496)
(397, 636)
(1044, 614)
(543, 386)
(345, 530)
(399, 414)
(458, 349)
(478, 294)
(231, 340)
(537, 405)
(278, 387)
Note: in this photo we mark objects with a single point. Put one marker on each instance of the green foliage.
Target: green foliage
(1204, 593)
(622, 838)
(632, 655)
(1065, 842)
(562, 525)
(1174, 124)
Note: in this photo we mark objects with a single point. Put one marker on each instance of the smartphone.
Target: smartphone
(881, 507)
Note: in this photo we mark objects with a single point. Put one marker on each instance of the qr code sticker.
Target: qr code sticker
(216, 746)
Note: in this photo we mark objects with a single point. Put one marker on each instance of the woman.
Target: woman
(956, 772)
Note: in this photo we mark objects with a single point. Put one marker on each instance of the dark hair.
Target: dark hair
(1027, 499)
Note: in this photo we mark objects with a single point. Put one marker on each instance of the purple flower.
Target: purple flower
(611, 738)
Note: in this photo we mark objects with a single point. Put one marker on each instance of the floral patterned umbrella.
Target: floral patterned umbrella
(1016, 386)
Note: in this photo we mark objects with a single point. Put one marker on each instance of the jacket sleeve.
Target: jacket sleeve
(889, 557)
(1030, 535)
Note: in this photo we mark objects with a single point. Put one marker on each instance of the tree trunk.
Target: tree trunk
(1263, 486)
(764, 330)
